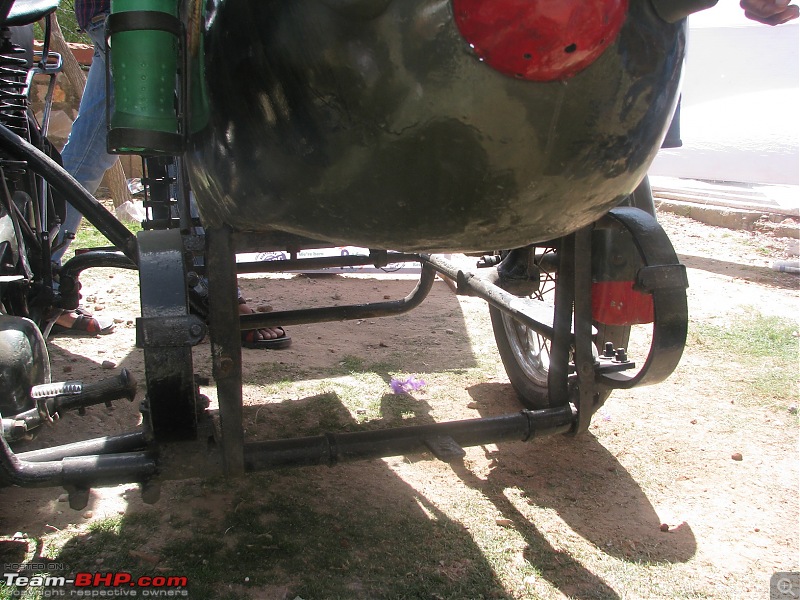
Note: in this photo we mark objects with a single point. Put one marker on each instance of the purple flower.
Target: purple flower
(403, 386)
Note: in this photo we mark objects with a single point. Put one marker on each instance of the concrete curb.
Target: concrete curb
(732, 218)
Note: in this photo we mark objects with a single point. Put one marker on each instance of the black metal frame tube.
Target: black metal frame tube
(226, 345)
(529, 313)
(560, 343)
(78, 471)
(344, 313)
(331, 448)
(582, 323)
(319, 262)
(126, 442)
(74, 193)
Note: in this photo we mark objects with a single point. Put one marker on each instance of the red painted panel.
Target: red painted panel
(617, 303)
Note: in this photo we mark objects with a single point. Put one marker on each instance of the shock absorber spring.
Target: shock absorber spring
(13, 73)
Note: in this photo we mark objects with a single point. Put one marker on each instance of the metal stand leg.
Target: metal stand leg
(558, 374)
(584, 356)
(226, 344)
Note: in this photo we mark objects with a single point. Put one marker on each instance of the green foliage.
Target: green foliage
(751, 335)
(69, 26)
(89, 237)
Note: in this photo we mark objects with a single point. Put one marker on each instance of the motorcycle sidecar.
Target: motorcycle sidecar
(386, 124)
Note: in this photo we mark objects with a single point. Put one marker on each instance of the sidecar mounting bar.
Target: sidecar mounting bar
(324, 262)
(332, 448)
(538, 316)
(343, 313)
(115, 459)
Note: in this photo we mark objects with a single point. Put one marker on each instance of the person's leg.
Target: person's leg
(84, 156)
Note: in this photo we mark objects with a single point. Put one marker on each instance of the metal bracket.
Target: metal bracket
(445, 448)
(665, 278)
(658, 277)
(167, 354)
(169, 332)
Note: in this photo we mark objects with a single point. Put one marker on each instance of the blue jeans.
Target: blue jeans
(84, 156)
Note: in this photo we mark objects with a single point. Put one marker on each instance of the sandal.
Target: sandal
(85, 324)
(249, 340)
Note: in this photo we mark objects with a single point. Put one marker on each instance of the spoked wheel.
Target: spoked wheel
(526, 353)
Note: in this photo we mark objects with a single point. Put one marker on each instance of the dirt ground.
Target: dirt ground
(693, 455)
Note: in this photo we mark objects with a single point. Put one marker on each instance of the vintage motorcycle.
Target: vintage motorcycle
(519, 132)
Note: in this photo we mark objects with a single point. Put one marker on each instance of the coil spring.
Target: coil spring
(13, 102)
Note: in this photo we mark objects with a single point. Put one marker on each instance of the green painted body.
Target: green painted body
(372, 123)
(144, 65)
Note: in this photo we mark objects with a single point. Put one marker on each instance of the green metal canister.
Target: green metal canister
(144, 39)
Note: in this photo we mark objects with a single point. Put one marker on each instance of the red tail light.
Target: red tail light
(540, 40)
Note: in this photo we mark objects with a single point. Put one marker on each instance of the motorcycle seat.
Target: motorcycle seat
(25, 12)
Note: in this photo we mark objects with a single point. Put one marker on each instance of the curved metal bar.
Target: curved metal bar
(126, 442)
(79, 471)
(344, 313)
(97, 258)
(665, 278)
(71, 270)
(73, 192)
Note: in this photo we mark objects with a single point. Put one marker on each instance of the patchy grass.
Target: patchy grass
(281, 536)
(760, 352)
(89, 237)
(107, 545)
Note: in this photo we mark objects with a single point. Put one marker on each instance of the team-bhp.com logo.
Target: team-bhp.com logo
(102, 585)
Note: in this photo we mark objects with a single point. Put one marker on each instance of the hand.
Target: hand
(770, 12)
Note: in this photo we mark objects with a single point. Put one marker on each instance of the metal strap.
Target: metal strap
(666, 278)
(142, 20)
